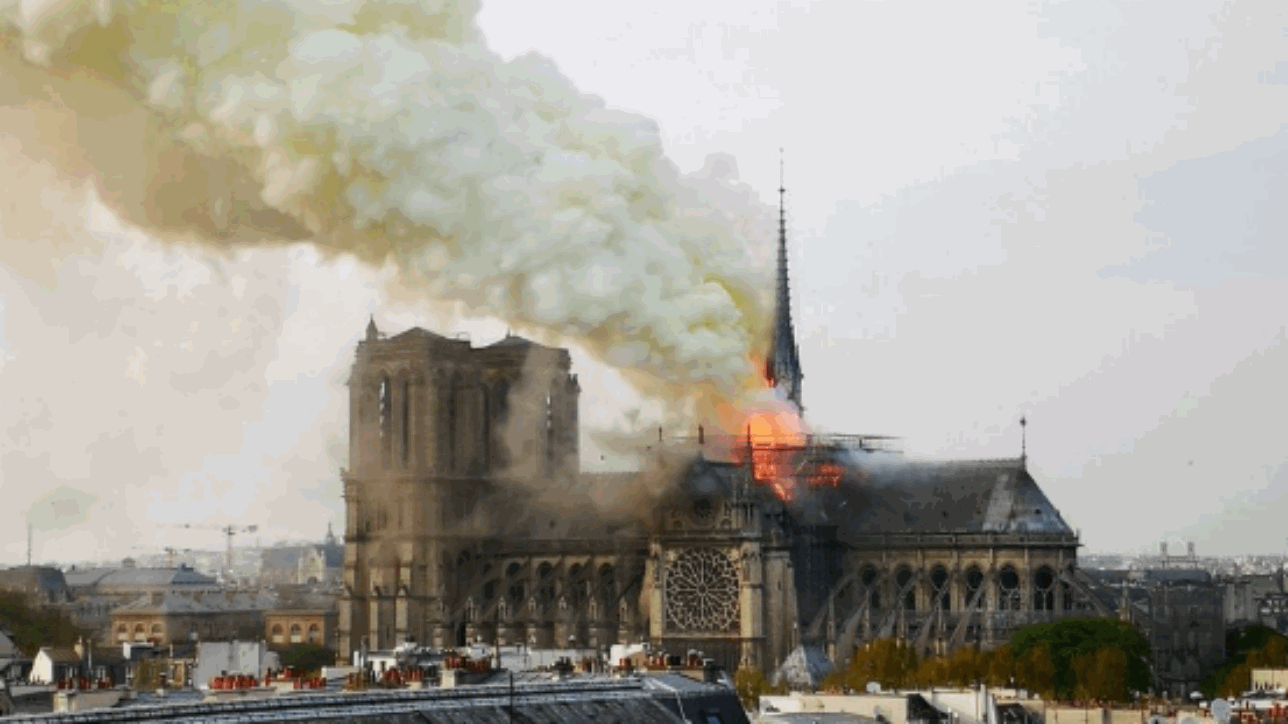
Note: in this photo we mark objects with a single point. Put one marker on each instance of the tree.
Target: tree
(1251, 647)
(1037, 671)
(1073, 645)
(966, 667)
(1001, 666)
(307, 658)
(30, 628)
(751, 684)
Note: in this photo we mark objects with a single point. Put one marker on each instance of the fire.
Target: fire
(774, 439)
(774, 433)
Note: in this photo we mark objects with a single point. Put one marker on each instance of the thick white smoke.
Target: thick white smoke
(388, 130)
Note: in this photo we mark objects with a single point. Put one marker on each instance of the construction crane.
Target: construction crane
(169, 553)
(229, 531)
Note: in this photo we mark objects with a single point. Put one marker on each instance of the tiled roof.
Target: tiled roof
(60, 655)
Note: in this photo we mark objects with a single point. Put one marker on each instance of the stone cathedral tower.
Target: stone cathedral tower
(435, 426)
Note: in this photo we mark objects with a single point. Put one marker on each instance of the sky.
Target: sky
(1056, 210)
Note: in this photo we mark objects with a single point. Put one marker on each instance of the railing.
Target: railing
(716, 444)
(917, 540)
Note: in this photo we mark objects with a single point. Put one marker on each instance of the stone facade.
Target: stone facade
(284, 627)
(445, 545)
(164, 619)
(435, 427)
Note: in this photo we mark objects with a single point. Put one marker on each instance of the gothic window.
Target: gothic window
(406, 422)
(607, 582)
(386, 420)
(1044, 590)
(702, 592)
(939, 589)
(901, 579)
(974, 586)
(1008, 589)
(454, 415)
(869, 579)
(550, 429)
(546, 593)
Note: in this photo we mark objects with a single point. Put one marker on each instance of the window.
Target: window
(406, 422)
(296, 636)
(315, 634)
(386, 420)
(278, 635)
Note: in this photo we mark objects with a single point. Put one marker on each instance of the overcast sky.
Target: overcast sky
(1062, 210)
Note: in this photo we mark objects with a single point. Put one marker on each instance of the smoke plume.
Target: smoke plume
(387, 130)
(60, 509)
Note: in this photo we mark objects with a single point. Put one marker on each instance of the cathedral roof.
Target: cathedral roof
(986, 496)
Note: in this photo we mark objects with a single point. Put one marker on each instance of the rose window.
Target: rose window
(702, 591)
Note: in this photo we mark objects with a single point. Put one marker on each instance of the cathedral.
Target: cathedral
(749, 549)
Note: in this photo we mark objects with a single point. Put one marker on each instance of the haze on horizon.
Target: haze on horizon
(1063, 210)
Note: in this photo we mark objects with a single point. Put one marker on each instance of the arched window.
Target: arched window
(974, 586)
(547, 591)
(939, 594)
(315, 634)
(406, 422)
(386, 420)
(296, 633)
(156, 631)
(278, 635)
(608, 583)
(901, 579)
(1008, 589)
(122, 633)
(869, 579)
(140, 634)
(1044, 589)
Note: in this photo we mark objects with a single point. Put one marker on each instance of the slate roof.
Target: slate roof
(181, 603)
(804, 668)
(106, 579)
(895, 496)
(889, 494)
(609, 702)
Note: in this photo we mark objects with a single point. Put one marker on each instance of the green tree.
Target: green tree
(1071, 641)
(1251, 647)
(32, 628)
(308, 658)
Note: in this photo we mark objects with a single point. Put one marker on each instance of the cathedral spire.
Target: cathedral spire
(782, 364)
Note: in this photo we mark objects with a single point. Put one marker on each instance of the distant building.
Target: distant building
(169, 618)
(1179, 611)
(313, 565)
(40, 586)
(96, 592)
(1257, 599)
(54, 664)
(307, 618)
